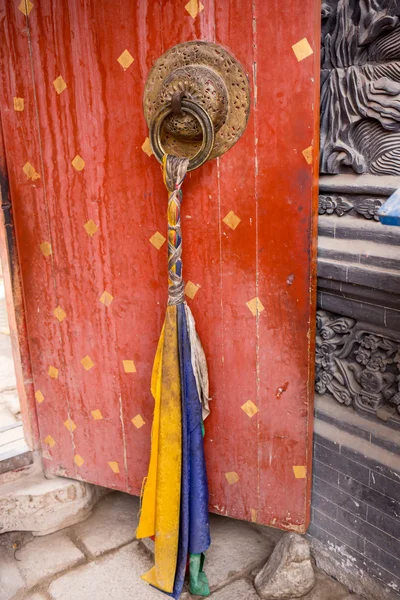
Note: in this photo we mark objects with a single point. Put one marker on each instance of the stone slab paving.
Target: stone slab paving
(327, 588)
(236, 549)
(112, 524)
(239, 590)
(115, 577)
(46, 556)
(99, 560)
(11, 580)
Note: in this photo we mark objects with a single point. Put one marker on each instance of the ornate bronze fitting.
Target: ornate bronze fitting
(190, 87)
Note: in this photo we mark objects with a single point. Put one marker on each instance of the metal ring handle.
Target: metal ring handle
(202, 118)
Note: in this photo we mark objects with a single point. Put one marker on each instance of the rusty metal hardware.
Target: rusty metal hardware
(176, 102)
(203, 119)
(209, 76)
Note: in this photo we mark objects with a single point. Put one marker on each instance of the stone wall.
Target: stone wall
(356, 490)
(356, 499)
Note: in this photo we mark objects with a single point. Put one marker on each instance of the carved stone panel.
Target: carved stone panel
(363, 206)
(360, 86)
(358, 364)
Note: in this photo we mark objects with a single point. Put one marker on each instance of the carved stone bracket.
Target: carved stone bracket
(358, 364)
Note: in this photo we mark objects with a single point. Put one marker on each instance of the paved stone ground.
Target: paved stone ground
(100, 559)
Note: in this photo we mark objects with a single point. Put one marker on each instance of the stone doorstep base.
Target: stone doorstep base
(42, 506)
(343, 570)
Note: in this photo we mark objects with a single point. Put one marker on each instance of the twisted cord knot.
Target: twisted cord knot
(174, 173)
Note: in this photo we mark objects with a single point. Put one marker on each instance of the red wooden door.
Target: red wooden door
(87, 200)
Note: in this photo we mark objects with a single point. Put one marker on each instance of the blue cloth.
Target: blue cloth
(194, 532)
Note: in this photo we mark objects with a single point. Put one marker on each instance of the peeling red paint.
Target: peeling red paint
(272, 189)
(280, 390)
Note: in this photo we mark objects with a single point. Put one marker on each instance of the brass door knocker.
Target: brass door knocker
(196, 102)
(202, 117)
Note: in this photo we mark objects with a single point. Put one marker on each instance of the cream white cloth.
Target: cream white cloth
(199, 363)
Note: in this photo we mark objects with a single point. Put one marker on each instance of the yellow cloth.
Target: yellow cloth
(161, 498)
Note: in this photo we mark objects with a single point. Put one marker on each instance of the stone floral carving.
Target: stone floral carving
(369, 207)
(358, 365)
(360, 86)
(332, 204)
(365, 207)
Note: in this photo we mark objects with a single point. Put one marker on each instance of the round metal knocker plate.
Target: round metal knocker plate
(206, 126)
(208, 75)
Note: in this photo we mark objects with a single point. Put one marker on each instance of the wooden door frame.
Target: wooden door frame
(16, 308)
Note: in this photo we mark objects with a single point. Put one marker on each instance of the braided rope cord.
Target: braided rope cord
(174, 173)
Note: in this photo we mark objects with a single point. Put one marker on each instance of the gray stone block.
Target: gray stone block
(340, 498)
(324, 472)
(354, 570)
(43, 506)
(345, 535)
(383, 522)
(323, 505)
(47, 556)
(115, 576)
(236, 547)
(370, 496)
(239, 590)
(11, 580)
(369, 532)
(326, 588)
(112, 524)
(289, 572)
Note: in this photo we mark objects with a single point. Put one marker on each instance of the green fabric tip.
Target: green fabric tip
(198, 579)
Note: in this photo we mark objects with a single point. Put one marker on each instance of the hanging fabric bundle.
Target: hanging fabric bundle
(175, 499)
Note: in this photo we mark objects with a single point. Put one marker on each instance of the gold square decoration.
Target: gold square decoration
(300, 471)
(70, 425)
(125, 59)
(308, 154)
(78, 163)
(138, 421)
(231, 219)
(53, 372)
(129, 366)
(25, 6)
(249, 408)
(255, 306)
(157, 240)
(49, 441)
(30, 171)
(194, 8)
(87, 363)
(191, 289)
(302, 49)
(146, 147)
(232, 477)
(59, 84)
(78, 460)
(59, 314)
(106, 298)
(39, 396)
(19, 104)
(114, 466)
(46, 248)
(96, 414)
(90, 227)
